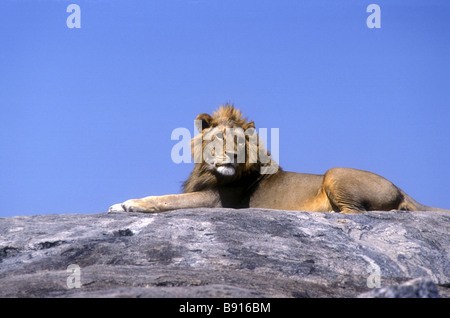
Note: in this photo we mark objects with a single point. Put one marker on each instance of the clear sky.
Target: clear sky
(87, 113)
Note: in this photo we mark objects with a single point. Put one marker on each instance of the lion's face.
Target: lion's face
(227, 144)
(225, 149)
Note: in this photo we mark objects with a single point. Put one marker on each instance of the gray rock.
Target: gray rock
(222, 253)
(416, 288)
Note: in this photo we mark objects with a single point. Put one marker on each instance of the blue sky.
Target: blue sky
(87, 114)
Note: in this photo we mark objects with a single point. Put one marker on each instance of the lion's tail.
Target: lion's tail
(409, 204)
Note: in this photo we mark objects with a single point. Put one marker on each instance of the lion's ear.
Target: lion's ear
(249, 125)
(203, 121)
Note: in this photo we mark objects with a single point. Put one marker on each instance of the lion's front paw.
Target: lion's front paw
(116, 208)
(137, 205)
(128, 206)
(148, 204)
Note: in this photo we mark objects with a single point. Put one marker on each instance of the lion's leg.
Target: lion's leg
(168, 202)
(355, 191)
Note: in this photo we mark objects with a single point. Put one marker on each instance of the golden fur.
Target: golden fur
(223, 181)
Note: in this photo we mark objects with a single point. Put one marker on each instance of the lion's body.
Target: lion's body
(338, 190)
(223, 181)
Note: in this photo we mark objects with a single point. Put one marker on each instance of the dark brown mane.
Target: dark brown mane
(202, 179)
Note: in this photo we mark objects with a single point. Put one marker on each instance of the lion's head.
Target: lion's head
(226, 149)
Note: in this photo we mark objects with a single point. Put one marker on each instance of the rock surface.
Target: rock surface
(416, 288)
(224, 253)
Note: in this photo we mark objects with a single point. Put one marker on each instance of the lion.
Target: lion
(223, 177)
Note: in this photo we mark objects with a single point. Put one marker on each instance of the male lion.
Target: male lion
(219, 179)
